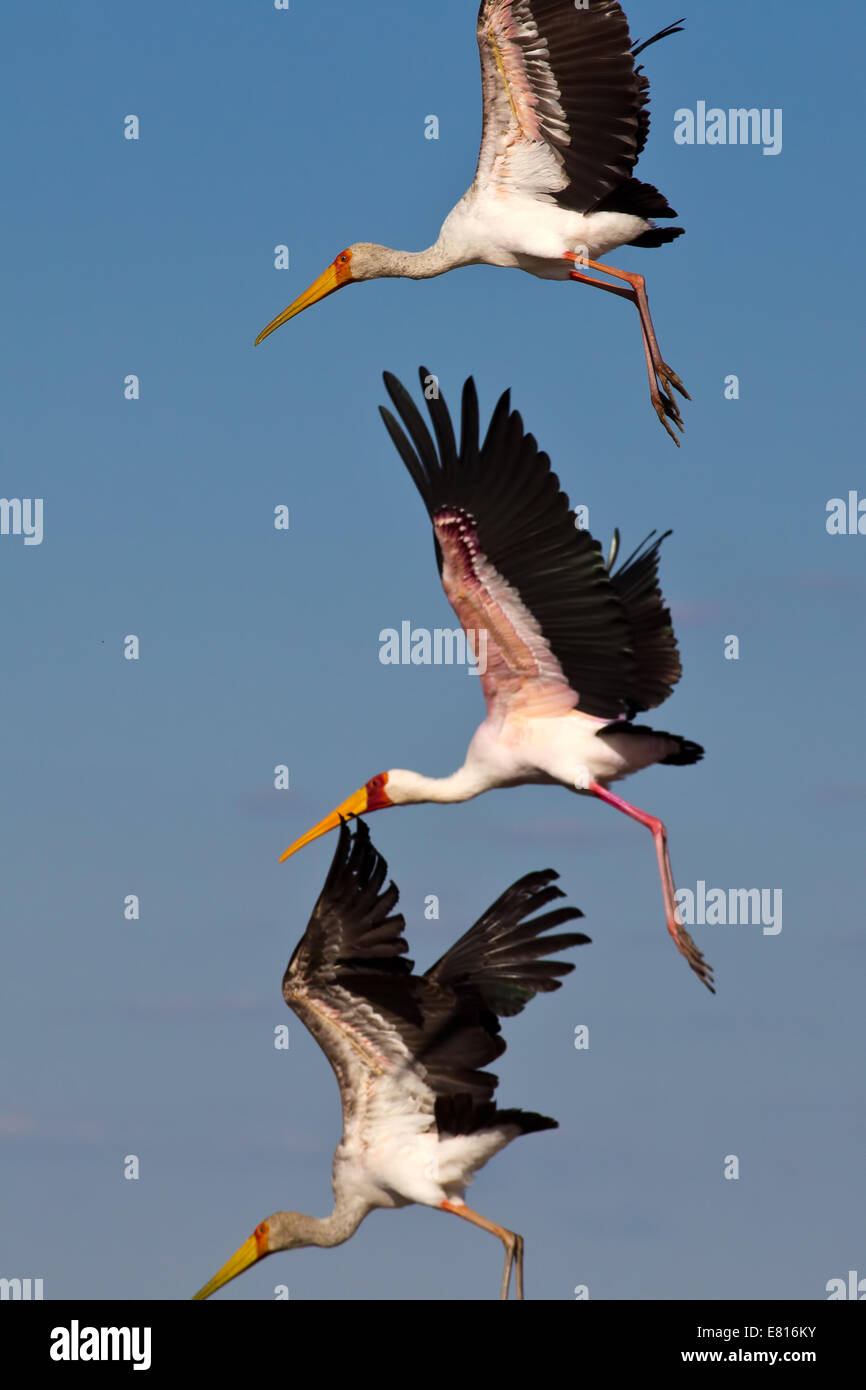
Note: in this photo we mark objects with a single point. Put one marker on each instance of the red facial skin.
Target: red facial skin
(261, 1235)
(377, 797)
(343, 267)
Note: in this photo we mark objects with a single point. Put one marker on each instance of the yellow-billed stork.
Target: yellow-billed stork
(419, 1118)
(565, 120)
(574, 648)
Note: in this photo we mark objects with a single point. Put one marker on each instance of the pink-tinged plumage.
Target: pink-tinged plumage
(574, 647)
(519, 667)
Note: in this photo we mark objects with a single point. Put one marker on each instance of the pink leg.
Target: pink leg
(658, 371)
(513, 1243)
(683, 942)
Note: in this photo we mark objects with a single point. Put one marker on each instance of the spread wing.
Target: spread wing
(415, 1040)
(531, 590)
(561, 99)
(566, 110)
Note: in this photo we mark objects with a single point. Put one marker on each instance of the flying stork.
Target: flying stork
(565, 119)
(419, 1118)
(575, 649)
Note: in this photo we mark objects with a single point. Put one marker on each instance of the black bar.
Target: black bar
(255, 1339)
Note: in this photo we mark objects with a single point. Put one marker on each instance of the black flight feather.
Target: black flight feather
(610, 632)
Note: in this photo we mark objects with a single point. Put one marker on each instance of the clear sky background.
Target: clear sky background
(155, 1037)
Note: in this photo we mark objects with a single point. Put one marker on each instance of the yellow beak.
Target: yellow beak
(320, 289)
(240, 1260)
(354, 805)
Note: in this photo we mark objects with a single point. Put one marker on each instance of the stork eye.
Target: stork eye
(344, 257)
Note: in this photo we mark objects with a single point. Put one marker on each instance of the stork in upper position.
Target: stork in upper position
(565, 118)
(419, 1119)
(574, 648)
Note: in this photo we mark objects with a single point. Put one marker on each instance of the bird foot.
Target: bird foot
(686, 947)
(666, 406)
(667, 410)
(670, 378)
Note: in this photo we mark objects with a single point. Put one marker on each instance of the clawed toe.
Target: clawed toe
(686, 946)
(670, 378)
(663, 411)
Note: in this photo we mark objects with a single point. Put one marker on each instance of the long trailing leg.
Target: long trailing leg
(512, 1242)
(638, 284)
(658, 371)
(683, 942)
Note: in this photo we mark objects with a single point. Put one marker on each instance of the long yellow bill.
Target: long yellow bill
(247, 1255)
(327, 282)
(354, 805)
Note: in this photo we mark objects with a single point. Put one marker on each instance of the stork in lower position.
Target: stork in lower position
(565, 119)
(575, 649)
(419, 1119)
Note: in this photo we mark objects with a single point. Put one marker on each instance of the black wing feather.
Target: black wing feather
(497, 964)
(602, 96)
(588, 52)
(654, 644)
(352, 958)
(611, 634)
(352, 925)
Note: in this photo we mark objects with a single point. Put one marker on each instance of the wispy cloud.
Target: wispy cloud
(701, 614)
(847, 588)
(839, 588)
(16, 1125)
(842, 793)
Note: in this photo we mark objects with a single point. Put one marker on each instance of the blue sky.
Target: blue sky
(259, 648)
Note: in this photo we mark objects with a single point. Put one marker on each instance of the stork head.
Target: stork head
(357, 262)
(285, 1230)
(385, 789)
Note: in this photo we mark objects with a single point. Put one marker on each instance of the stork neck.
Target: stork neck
(416, 265)
(326, 1231)
(462, 785)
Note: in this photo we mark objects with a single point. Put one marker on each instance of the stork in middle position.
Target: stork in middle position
(565, 120)
(574, 648)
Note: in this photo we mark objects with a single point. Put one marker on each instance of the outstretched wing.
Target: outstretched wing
(383, 1028)
(351, 958)
(352, 925)
(529, 587)
(350, 983)
(493, 971)
(565, 113)
(497, 965)
(656, 656)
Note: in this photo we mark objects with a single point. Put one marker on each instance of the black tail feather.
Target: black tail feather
(639, 200)
(687, 753)
(658, 236)
(684, 753)
(458, 1115)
